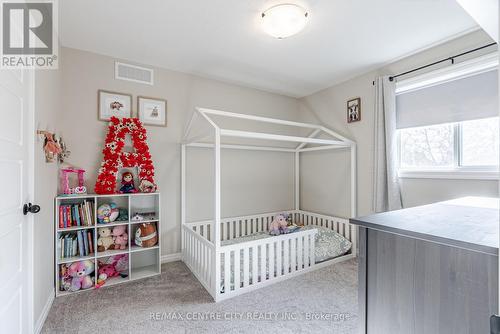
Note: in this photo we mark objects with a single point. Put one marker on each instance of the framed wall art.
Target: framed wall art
(111, 104)
(152, 111)
(354, 110)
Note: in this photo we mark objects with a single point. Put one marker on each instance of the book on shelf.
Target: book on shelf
(78, 243)
(76, 215)
(90, 238)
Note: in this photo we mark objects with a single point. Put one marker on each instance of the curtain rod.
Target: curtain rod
(452, 59)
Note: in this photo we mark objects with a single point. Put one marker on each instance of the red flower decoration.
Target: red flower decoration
(114, 158)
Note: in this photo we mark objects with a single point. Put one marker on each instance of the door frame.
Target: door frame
(30, 218)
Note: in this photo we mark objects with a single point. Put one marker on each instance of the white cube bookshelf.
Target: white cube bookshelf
(143, 262)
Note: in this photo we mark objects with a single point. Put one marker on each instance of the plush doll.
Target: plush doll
(127, 183)
(120, 237)
(116, 266)
(146, 235)
(147, 186)
(106, 271)
(278, 225)
(107, 213)
(105, 239)
(80, 272)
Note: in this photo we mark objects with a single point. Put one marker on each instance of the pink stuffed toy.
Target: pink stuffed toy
(117, 267)
(120, 237)
(80, 272)
(278, 225)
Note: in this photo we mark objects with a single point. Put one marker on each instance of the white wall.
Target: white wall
(47, 113)
(252, 182)
(329, 107)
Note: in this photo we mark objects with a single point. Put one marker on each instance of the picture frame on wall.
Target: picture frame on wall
(354, 110)
(152, 111)
(113, 104)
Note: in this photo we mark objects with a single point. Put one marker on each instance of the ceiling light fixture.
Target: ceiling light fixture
(285, 20)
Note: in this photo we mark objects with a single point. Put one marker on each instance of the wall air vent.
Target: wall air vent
(134, 73)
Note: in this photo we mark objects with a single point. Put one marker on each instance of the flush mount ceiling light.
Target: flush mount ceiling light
(285, 20)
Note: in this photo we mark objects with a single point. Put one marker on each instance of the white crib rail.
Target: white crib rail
(198, 254)
(253, 264)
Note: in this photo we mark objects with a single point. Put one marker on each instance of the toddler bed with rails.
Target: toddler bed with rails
(231, 256)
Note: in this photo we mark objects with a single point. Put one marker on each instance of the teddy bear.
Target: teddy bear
(105, 239)
(278, 225)
(120, 237)
(80, 275)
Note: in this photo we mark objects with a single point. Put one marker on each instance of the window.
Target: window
(447, 121)
(468, 146)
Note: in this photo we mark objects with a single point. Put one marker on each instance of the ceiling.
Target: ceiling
(222, 39)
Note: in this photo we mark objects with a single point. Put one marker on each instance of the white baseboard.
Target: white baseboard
(171, 257)
(45, 312)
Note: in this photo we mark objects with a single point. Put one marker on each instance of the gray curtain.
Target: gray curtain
(386, 192)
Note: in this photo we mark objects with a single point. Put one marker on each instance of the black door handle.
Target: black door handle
(31, 208)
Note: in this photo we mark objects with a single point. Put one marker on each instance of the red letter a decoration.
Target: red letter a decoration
(115, 158)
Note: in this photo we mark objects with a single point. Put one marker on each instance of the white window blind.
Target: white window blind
(472, 97)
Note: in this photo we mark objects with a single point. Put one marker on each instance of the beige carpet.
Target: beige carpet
(175, 302)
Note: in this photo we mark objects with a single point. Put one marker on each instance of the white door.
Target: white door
(16, 151)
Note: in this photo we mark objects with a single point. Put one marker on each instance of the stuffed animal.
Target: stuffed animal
(278, 225)
(107, 213)
(106, 271)
(146, 235)
(105, 239)
(147, 186)
(80, 272)
(115, 266)
(120, 237)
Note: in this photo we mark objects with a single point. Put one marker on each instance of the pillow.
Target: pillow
(328, 243)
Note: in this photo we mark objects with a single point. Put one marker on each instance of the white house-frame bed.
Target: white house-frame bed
(228, 267)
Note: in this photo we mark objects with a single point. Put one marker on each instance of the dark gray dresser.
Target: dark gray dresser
(429, 269)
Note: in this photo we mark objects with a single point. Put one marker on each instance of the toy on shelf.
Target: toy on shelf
(80, 275)
(147, 186)
(105, 239)
(114, 266)
(127, 183)
(146, 235)
(122, 215)
(120, 237)
(107, 213)
(138, 217)
(80, 189)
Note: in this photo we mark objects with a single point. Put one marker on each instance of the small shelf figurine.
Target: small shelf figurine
(80, 189)
(127, 183)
